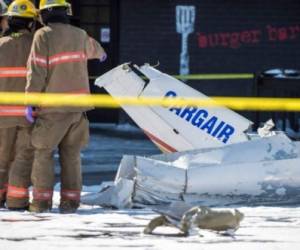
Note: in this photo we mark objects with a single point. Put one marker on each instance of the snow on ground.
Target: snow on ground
(97, 228)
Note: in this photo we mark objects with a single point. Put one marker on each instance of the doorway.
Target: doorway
(100, 18)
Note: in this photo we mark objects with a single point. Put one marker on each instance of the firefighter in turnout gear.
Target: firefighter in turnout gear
(58, 64)
(16, 153)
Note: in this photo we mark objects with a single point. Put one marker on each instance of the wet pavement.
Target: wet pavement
(108, 143)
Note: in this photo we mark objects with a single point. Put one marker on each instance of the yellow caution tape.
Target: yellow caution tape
(208, 76)
(106, 101)
(215, 76)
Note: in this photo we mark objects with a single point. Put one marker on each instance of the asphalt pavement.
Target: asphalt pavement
(108, 143)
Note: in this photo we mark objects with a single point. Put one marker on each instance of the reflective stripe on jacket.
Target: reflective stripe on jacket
(11, 111)
(13, 72)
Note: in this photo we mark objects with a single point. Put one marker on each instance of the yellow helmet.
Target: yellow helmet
(46, 4)
(22, 8)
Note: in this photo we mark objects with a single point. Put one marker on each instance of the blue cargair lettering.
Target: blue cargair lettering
(201, 119)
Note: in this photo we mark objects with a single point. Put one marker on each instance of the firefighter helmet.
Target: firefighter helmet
(21, 8)
(46, 4)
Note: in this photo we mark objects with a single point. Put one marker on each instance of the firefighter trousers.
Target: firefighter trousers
(69, 133)
(16, 157)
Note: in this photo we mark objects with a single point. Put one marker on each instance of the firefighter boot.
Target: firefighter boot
(42, 201)
(2, 204)
(3, 192)
(2, 199)
(40, 206)
(17, 198)
(68, 206)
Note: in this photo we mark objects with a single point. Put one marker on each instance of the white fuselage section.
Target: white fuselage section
(174, 129)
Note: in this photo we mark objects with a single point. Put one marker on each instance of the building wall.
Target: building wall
(229, 36)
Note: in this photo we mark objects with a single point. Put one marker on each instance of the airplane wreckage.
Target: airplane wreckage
(210, 157)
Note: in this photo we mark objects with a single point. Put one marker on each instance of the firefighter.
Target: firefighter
(58, 64)
(16, 153)
(3, 20)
